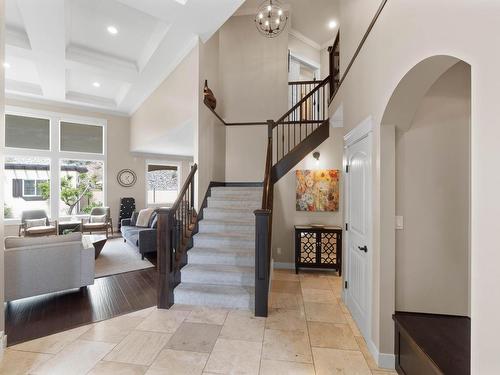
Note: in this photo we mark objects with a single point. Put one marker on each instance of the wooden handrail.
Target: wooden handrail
(184, 188)
(304, 82)
(174, 238)
(232, 123)
(303, 100)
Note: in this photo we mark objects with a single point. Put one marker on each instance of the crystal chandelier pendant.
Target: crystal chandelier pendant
(271, 18)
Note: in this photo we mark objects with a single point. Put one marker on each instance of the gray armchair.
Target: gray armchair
(37, 223)
(99, 221)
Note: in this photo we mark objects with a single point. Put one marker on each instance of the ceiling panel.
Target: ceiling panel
(22, 70)
(88, 22)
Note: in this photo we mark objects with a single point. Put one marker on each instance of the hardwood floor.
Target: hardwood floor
(110, 296)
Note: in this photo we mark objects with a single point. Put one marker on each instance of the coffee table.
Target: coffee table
(98, 241)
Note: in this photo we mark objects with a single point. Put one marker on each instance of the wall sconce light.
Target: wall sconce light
(316, 156)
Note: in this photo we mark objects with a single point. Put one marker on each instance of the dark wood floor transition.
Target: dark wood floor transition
(110, 296)
(428, 344)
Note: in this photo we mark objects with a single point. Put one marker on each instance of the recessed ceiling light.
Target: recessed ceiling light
(96, 84)
(183, 2)
(112, 30)
(6, 65)
(332, 24)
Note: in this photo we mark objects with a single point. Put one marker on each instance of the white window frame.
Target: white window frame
(177, 164)
(56, 155)
(37, 180)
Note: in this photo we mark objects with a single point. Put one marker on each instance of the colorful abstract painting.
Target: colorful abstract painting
(317, 190)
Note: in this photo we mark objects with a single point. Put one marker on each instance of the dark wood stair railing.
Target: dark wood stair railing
(175, 229)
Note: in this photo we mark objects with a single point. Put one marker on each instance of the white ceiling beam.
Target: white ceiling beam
(19, 87)
(98, 101)
(17, 38)
(46, 29)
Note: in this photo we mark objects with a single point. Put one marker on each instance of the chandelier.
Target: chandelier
(270, 19)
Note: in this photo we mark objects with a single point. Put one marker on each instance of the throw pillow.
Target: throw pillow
(98, 218)
(154, 223)
(143, 217)
(30, 223)
(133, 219)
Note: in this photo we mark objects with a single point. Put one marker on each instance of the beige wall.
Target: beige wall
(285, 215)
(253, 87)
(324, 59)
(210, 136)
(427, 28)
(118, 157)
(304, 50)
(254, 79)
(165, 121)
(2, 153)
(432, 194)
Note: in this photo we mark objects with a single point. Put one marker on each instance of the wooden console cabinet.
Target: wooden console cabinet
(318, 247)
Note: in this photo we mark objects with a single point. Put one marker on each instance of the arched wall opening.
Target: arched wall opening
(425, 187)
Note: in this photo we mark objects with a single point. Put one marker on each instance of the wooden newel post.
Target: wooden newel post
(165, 259)
(262, 261)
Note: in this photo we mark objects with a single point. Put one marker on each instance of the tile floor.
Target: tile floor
(308, 331)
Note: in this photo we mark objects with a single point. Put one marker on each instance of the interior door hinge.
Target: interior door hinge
(347, 168)
(346, 226)
(345, 284)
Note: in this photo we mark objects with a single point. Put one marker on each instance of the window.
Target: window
(81, 186)
(27, 132)
(162, 183)
(33, 188)
(26, 185)
(81, 138)
(58, 177)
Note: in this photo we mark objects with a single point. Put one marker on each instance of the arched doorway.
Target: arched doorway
(426, 137)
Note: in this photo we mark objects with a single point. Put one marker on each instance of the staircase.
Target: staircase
(222, 255)
(221, 265)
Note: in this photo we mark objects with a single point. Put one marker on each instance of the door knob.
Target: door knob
(363, 248)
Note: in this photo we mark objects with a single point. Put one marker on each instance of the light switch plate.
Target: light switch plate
(399, 222)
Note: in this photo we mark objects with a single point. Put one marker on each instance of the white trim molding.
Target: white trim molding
(384, 360)
(305, 39)
(3, 343)
(360, 131)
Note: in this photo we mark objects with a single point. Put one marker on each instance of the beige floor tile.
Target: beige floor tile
(332, 335)
(235, 357)
(19, 363)
(283, 286)
(285, 301)
(144, 313)
(115, 368)
(384, 372)
(243, 325)
(315, 283)
(270, 367)
(179, 362)
(52, 344)
(354, 327)
(286, 346)
(207, 315)
(318, 295)
(195, 337)
(287, 320)
(179, 306)
(336, 286)
(139, 348)
(334, 361)
(166, 321)
(113, 330)
(324, 312)
(366, 353)
(79, 357)
(343, 306)
(286, 275)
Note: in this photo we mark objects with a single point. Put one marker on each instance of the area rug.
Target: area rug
(119, 257)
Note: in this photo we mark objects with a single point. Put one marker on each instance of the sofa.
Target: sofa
(142, 238)
(39, 265)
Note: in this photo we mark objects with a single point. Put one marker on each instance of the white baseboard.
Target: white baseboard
(3, 343)
(284, 266)
(383, 360)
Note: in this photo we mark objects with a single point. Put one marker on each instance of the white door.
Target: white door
(358, 263)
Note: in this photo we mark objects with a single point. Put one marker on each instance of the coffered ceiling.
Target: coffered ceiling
(107, 54)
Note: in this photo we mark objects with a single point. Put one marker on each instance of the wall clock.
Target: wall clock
(126, 177)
